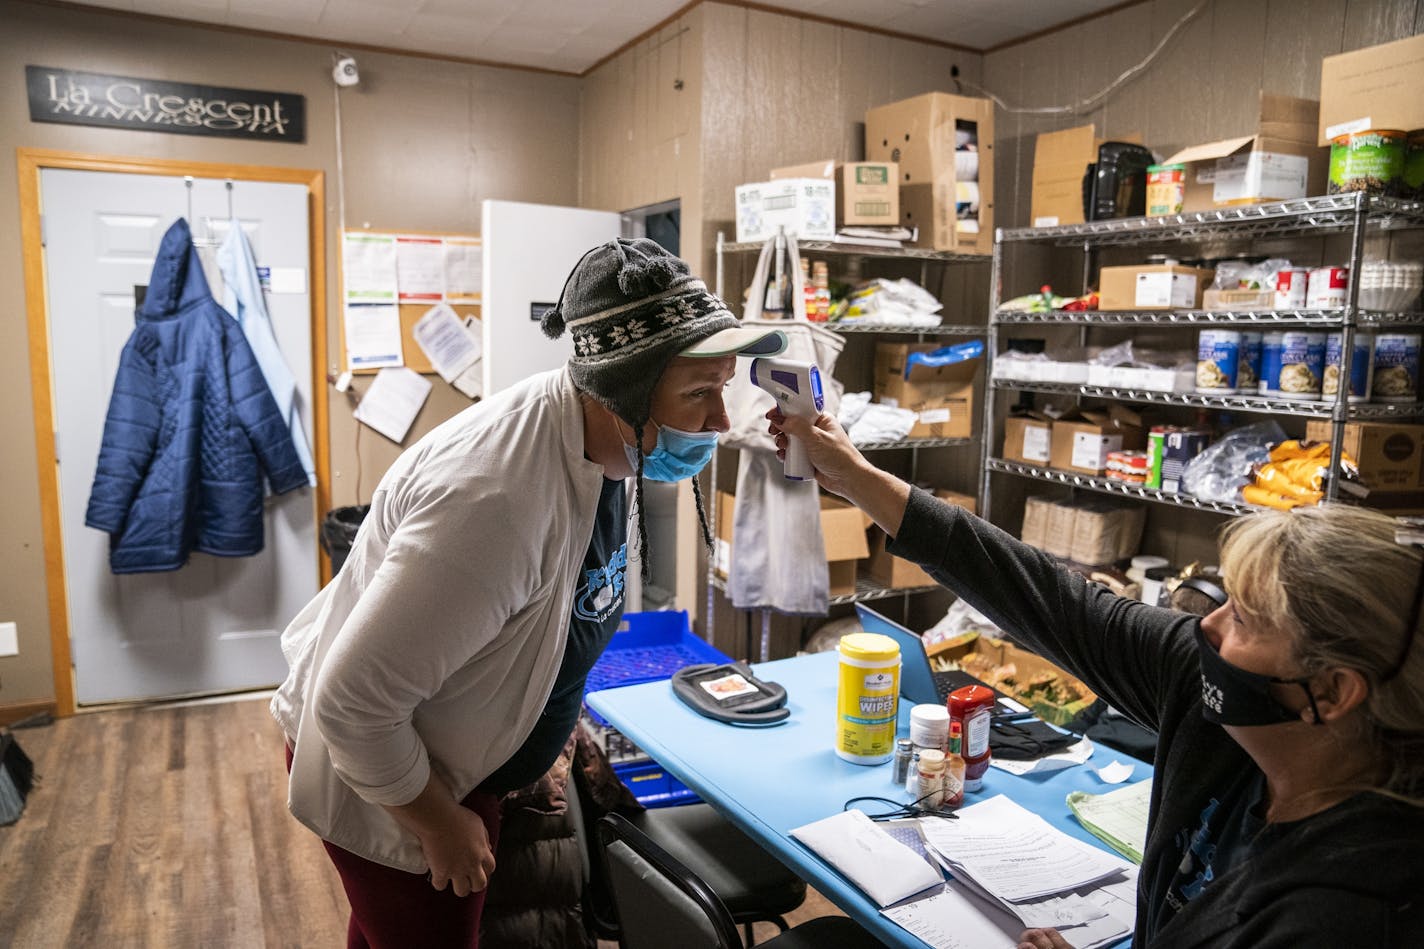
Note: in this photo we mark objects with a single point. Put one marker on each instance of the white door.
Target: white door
(213, 625)
(528, 251)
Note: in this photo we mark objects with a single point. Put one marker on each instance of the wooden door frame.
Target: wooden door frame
(31, 162)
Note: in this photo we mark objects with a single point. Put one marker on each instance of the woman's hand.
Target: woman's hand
(459, 854)
(842, 469)
(836, 460)
(1042, 939)
(452, 838)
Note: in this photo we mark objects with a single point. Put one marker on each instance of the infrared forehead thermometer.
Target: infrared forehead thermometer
(796, 387)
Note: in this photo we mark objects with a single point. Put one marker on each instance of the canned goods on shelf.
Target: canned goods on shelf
(1396, 368)
(1371, 161)
(1218, 361)
(1359, 367)
(1292, 364)
(1327, 287)
(1291, 288)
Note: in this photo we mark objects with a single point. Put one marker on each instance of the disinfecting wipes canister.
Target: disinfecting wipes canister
(867, 699)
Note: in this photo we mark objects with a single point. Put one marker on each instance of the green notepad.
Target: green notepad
(1117, 818)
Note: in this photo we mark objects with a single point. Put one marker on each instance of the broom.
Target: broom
(17, 777)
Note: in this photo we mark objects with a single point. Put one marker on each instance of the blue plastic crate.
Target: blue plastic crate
(653, 786)
(654, 646)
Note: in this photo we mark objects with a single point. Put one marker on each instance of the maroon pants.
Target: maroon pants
(393, 909)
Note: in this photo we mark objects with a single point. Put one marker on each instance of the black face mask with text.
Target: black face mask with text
(1233, 696)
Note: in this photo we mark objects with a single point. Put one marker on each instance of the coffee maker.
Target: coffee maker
(1116, 184)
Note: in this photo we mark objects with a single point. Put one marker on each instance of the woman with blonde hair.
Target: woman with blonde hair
(1287, 808)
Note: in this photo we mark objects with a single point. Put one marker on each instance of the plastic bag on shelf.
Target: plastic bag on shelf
(853, 405)
(1224, 468)
(1245, 275)
(1118, 355)
(890, 301)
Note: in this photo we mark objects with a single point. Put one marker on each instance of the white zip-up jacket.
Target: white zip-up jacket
(437, 644)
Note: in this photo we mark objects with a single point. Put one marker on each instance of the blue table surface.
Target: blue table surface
(769, 780)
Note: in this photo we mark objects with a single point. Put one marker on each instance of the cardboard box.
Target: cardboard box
(842, 528)
(1388, 454)
(1279, 162)
(1082, 438)
(1027, 437)
(867, 192)
(896, 573)
(942, 395)
(990, 660)
(806, 207)
(1152, 287)
(1060, 160)
(936, 177)
(1379, 87)
(825, 168)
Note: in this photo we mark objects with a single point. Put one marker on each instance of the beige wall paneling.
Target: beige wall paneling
(425, 142)
(640, 144)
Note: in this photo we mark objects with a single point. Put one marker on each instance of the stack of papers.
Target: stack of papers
(1025, 874)
(1118, 818)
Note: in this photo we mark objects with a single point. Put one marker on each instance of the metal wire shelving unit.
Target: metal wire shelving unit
(1355, 214)
(866, 589)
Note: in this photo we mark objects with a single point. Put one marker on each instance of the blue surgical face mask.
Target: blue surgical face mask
(677, 456)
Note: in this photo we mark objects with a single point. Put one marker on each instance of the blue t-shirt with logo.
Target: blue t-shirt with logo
(1228, 824)
(597, 611)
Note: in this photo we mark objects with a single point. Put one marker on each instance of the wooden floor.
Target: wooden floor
(168, 827)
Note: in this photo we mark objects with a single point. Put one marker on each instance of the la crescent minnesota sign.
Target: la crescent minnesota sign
(156, 105)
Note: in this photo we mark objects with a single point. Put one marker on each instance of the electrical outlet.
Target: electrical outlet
(9, 639)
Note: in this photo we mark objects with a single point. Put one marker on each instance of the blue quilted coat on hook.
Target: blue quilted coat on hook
(191, 430)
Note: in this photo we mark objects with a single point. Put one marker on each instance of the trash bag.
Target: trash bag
(338, 532)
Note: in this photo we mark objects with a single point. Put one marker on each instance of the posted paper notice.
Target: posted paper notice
(420, 269)
(464, 270)
(393, 401)
(450, 347)
(373, 336)
(368, 268)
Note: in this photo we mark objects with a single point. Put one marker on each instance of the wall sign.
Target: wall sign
(156, 105)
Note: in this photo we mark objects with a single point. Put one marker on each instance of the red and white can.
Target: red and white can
(1291, 288)
(1328, 287)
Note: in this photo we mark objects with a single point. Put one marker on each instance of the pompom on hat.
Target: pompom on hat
(631, 307)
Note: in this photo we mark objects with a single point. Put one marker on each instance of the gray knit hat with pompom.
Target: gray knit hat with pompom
(632, 307)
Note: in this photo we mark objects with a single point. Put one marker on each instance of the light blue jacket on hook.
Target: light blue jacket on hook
(242, 297)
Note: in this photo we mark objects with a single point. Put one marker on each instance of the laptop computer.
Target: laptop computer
(919, 683)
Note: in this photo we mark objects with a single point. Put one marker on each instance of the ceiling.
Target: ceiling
(571, 37)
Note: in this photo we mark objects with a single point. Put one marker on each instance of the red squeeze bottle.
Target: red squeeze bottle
(971, 707)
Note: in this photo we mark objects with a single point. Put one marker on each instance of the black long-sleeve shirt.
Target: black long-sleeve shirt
(1213, 872)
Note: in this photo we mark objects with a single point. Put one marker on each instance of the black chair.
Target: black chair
(752, 884)
(662, 903)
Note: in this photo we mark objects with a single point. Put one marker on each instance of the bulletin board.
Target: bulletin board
(410, 300)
